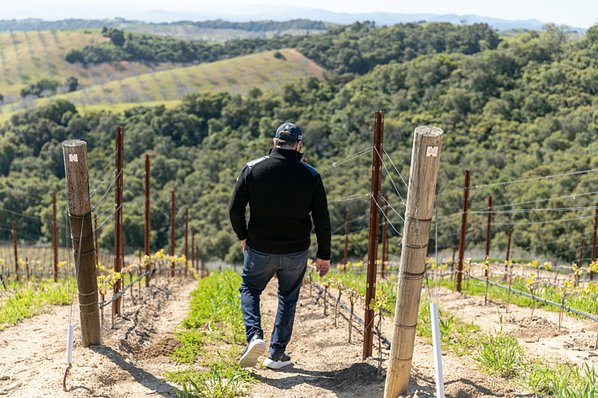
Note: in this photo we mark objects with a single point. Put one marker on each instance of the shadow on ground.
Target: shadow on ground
(340, 382)
(148, 380)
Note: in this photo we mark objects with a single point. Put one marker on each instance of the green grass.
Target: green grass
(212, 339)
(31, 299)
(501, 355)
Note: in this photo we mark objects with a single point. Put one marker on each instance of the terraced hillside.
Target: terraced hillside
(27, 57)
(267, 71)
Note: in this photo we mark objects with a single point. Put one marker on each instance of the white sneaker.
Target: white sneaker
(255, 349)
(279, 363)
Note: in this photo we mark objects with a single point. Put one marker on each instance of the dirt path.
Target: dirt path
(575, 342)
(326, 365)
(130, 363)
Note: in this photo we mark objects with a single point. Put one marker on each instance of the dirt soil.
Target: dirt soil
(539, 334)
(327, 365)
(135, 353)
(130, 363)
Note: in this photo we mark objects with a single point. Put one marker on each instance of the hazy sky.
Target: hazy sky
(580, 13)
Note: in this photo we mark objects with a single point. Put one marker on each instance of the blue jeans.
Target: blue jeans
(258, 269)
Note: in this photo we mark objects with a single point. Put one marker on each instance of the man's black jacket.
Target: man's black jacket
(282, 192)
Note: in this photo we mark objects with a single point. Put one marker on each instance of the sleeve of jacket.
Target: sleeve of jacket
(238, 204)
(319, 213)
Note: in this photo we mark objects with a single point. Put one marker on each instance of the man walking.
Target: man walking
(282, 192)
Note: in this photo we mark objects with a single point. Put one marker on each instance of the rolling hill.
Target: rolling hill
(27, 57)
(267, 70)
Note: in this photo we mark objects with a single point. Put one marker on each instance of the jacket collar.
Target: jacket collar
(285, 154)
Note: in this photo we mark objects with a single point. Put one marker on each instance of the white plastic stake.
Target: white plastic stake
(437, 350)
(69, 343)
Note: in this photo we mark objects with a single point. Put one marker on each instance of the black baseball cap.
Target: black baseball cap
(288, 132)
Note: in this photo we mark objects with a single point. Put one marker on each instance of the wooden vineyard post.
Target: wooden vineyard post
(172, 236)
(14, 245)
(118, 218)
(346, 251)
(186, 241)
(77, 183)
(384, 239)
(54, 238)
(146, 236)
(425, 159)
(594, 241)
(370, 292)
(463, 231)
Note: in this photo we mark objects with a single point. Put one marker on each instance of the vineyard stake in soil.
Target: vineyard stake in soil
(581, 249)
(172, 242)
(14, 244)
(425, 159)
(186, 241)
(594, 241)
(346, 254)
(146, 236)
(118, 217)
(374, 224)
(54, 237)
(488, 226)
(508, 257)
(193, 250)
(463, 230)
(77, 184)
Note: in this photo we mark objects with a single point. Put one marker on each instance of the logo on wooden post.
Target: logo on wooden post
(432, 151)
(73, 157)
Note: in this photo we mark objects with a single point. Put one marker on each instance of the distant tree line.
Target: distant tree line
(48, 87)
(261, 26)
(32, 24)
(355, 48)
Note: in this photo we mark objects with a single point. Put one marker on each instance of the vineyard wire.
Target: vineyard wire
(546, 222)
(351, 197)
(518, 211)
(396, 169)
(569, 196)
(521, 211)
(547, 177)
(101, 225)
(104, 179)
(105, 193)
(533, 297)
(346, 159)
(511, 182)
(390, 177)
(387, 219)
(20, 214)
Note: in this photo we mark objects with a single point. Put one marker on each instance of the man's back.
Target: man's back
(282, 192)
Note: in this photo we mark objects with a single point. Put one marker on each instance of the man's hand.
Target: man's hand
(322, 266)
(243, 245)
